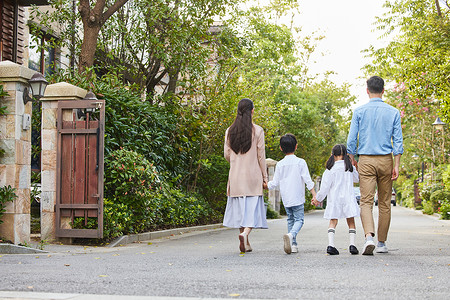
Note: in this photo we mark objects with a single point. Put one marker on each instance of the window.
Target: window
(12, 26)
(42, 54)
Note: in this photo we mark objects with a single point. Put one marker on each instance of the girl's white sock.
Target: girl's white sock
(352, 233)
(331, 232)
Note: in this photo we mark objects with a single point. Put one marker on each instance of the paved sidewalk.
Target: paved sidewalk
(126, 240)
(208, 264)
(59, 296)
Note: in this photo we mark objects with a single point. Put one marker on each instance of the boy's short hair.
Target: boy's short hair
(375, 84)
(288, 143)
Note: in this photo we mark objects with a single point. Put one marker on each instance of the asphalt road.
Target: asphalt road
(209, 265)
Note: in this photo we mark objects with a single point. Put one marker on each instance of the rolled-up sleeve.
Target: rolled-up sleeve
(397, 136)
(352, 138)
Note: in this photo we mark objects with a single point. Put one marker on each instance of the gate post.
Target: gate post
(15, 165)
(55, 92)
(274, 195)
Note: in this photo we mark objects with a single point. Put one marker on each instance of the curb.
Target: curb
(435, 216)
(16, 249)
(146, 236)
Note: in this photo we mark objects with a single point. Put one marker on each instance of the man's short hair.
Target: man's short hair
(375, 84)
(288, 143)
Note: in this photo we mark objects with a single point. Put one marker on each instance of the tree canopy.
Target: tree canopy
(195, 60)
(419, 53)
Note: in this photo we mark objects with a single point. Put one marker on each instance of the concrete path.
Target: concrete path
(209, 265)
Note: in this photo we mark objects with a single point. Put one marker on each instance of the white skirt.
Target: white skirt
(245, 211)
(341, 209)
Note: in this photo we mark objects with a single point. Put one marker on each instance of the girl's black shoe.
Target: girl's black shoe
(353, 249)
(332, 251)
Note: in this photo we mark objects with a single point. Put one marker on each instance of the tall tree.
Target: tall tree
(418, 55)
(161, 41)
(93, 18)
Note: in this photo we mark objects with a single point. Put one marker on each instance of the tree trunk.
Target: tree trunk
(88, 47)
(438, 8)
(173, 79)
(93, 20)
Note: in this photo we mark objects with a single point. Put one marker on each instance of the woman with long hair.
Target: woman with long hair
(244, 149)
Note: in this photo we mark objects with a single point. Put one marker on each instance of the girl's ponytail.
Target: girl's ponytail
(330, 162)
(339, 150)
(348, 163)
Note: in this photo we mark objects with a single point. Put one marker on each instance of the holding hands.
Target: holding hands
(314, 201)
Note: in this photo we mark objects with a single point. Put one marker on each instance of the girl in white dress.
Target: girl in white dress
(337, 186)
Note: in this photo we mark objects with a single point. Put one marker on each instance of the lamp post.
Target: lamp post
(439, 125)
(415, 156)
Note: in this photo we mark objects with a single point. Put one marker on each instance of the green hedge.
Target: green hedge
(136, 200)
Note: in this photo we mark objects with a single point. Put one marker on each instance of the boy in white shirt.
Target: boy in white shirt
(291, 175)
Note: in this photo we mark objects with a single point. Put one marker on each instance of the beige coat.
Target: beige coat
(247, 171)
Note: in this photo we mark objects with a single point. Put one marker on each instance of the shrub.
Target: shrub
(3, 111)
(438, 198)
(271, 214)
(427, 207)
(137, 201)
(117, 219)
(425, 191)
(130, 180)
(212, 182)
(175, 208)
(7, 194)
(446, 178)
(444, 210)
(406, 192)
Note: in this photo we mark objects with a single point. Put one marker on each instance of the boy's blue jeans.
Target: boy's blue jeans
(295, 220)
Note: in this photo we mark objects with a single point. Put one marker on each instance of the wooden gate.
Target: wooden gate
(79, 179)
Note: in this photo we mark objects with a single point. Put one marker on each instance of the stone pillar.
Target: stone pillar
(15, 166)
(55, 92)
(274, 195)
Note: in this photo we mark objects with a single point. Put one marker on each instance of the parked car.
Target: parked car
(393, 198)
(357, 193)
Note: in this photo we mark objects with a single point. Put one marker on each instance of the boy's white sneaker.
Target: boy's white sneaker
(287, 238)
(294, 249)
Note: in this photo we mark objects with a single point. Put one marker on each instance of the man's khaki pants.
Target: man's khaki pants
(375, 171)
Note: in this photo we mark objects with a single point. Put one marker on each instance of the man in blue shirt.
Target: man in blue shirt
(375, 135)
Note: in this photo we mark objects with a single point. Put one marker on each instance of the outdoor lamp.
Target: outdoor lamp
(83, 112)
(37, 84)
(438, 124)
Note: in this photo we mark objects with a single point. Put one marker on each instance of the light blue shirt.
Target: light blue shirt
(291, 176)
(375, 130)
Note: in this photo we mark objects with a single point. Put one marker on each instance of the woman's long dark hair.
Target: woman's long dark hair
(339, 150)
(240, 132)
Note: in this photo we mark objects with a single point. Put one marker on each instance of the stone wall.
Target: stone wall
(15, 166)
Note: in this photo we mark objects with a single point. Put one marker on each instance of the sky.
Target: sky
(348, 29)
